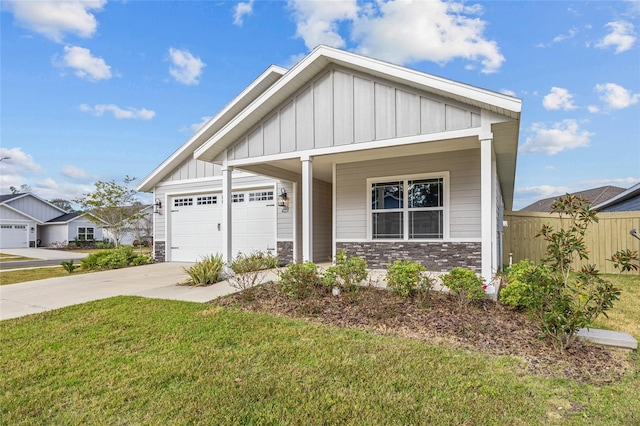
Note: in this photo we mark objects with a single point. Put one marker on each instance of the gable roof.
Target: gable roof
(7, 198)
(66, 218)
(233, 108)
(632, 192)
(594, 196)
(320, 58)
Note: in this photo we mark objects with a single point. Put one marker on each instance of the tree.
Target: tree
(24, 189)
(114, 207)
(63, 204)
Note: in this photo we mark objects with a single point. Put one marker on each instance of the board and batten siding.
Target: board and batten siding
(193, 169)
(464, 190)
(35, 208)
(167, 190)
(342, 107)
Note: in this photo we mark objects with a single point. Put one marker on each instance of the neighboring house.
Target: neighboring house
(70, 227)
(628, 200)
(141, 231)
(336, 133)
(595, 196)
(27, 220)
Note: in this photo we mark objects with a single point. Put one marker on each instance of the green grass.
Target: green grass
(23, 275)
(130, 360)
(625, 315)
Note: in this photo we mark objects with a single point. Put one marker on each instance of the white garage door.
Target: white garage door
(196, 224)
(14, 235)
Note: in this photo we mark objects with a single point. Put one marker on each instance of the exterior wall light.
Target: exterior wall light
(157, 206)
(283, 200)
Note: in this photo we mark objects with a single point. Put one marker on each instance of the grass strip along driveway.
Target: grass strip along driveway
(129, 360)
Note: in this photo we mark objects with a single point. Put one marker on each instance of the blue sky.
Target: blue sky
(96, 90)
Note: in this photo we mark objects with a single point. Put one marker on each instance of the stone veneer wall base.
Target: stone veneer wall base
(159, 251)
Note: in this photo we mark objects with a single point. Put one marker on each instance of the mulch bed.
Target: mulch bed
(485, 327)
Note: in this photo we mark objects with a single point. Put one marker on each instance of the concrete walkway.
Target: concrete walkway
(159, 280)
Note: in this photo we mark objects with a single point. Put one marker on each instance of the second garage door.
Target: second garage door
(196, 224)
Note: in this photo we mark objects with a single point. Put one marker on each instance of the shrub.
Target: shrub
(206, 271)
(517, 290)
(104, 245)
(120, 257)
(69, 266)
(346, 273)
(407, 278)
(249, 269)
(464, 284)
(297, 280)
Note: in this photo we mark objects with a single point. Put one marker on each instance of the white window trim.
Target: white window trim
(445, 182)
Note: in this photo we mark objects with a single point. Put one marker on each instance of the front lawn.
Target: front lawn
(24, 275)
(130, 360)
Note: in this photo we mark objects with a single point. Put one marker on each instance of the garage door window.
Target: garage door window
(206, 200)
(261, 196)
(181, 202)
(238, 198)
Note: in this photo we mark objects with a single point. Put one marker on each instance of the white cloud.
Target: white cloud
(197, 126)
(542, 191)
(86, 66)
(593, 109)
(54, 19)
(559, 137)
(508, 92)
(240, 11)
(558, 98)
(571, 34)
(626, 182)
(186, 68)
(616, 96)
(118, 113)
(438, 31)
(74, 172)
(622, 36)
(317, 21)
(16, 169)
(47, 183)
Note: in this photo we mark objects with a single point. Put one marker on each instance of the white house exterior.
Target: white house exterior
(377, 159)
(27, 220)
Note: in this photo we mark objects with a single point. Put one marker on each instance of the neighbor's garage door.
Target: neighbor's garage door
(14, 235)
(196, 224)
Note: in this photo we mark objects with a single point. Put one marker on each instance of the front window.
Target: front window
(85, 234)
(408, 208)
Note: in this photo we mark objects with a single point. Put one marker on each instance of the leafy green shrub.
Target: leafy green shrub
(407, 278)
(517, 291)
(120, 257)
(346, 273)
(297, 280)
(464, 284)
(249, 269)
(206, 271)
(69, 266)
(104, 245)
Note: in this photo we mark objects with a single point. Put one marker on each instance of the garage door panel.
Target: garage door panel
(195, 232)
(14, 235)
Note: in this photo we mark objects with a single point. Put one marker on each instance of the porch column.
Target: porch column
(486, 210)
(227, 220)
(307, 209)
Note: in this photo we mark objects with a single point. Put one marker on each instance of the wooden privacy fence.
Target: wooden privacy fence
(603, 239)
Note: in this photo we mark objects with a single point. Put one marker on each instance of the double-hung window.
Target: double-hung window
(85, 234)
(408, 208)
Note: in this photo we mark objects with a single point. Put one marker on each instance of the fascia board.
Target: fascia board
(213, 125)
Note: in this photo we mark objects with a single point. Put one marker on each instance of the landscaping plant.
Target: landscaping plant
(249, 269)
(346, 273)
(465, 285)
(69, 266)
(563, 301)
(407, 278)
(516, 291)
(298, 280)
(120, 257)
(206, 271)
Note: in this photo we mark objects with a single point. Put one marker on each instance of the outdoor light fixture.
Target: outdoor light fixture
(283, 200)
(157, 206)
(634, 233)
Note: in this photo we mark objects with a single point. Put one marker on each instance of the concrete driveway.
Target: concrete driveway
(158, 280)
(45, 257)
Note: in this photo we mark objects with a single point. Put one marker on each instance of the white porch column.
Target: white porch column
(227, 220)
(307, 209)
(486, 210)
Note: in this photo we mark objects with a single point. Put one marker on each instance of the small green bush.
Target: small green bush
(516, 292)
(69, 266)
(346, 273)
(206, 271)
(249, 269)
(104, 245)
(298, 280)
(464, 284)
(120, 257)
(407, 278)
